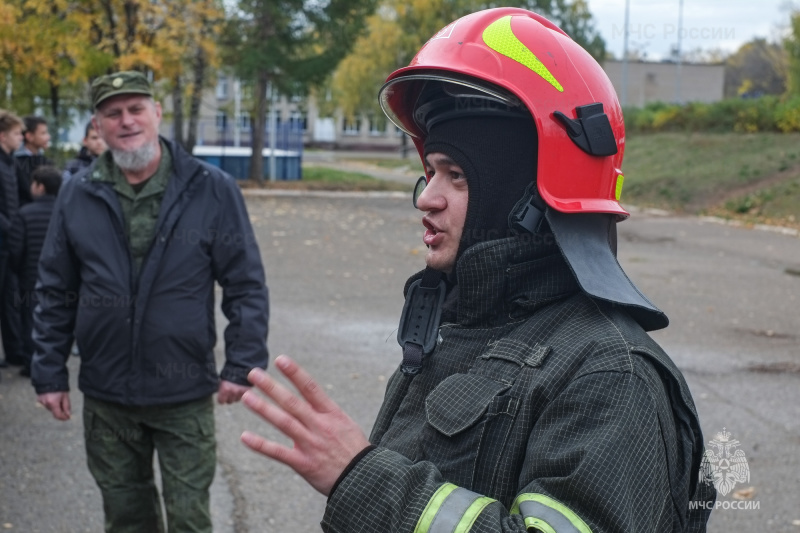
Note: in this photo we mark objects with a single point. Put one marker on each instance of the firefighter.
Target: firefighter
(529, 397)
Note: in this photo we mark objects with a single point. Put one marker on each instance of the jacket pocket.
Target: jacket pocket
(447, 408)
(464, 413)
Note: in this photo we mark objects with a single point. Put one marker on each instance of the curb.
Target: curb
(791, 232)
(325, 194)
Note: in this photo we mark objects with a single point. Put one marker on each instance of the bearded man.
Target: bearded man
(134, 248)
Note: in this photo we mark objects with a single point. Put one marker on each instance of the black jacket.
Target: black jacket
(27, 237)
(26, 164)
(9, 196)
(81, 161)
(150, 340)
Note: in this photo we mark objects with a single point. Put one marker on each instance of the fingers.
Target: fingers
(305, 384)
(283, 420)
(269, 448)
(66, 407)
(58, 404)
(229, 392)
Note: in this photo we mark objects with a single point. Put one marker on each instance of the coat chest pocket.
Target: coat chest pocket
(473, 420)
(468, 416)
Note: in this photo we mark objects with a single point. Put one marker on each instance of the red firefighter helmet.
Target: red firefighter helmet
(518, 56)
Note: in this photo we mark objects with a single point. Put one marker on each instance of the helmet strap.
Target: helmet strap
(419, 321)
(528, 213)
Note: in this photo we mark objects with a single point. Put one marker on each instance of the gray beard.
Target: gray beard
(135, 160)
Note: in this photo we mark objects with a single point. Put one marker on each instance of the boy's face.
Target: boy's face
(94, 143)
(11, 140)
(39, 139)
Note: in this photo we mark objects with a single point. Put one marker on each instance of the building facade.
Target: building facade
(649, 82)
(298, 122)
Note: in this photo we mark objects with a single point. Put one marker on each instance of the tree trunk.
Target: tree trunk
(55, 108)
(259, 125)
(199, 72)
(177, 111)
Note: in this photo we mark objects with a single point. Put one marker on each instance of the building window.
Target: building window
(377, 125)
(350, 126)
(222, 88)
(298, 121)
(244, 122)
(221, 121)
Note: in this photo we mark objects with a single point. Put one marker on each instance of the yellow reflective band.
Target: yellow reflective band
(548, 515)
(618, 191)
(538, 525)
(499, 37)
(424, 523)
(472, 513)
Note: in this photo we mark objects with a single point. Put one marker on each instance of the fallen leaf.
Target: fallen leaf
(744, 494)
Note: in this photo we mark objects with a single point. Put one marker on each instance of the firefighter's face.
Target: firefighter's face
(444, 202)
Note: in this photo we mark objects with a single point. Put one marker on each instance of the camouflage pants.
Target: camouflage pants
(120, 441)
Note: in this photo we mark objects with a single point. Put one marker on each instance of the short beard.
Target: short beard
(136, 160)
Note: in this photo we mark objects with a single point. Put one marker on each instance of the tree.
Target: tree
(792, 45)
(757, 67)
(289, 45)
(400, 27)
(87, 38)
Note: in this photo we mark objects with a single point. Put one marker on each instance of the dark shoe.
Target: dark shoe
(15, 361)
(25, 372)
(3, 363)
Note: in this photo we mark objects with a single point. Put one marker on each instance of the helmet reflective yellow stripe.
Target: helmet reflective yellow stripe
(451, 510)
(618, 189)
(548, 515)
(499, 37)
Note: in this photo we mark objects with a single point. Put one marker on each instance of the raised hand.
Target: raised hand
(325, 438)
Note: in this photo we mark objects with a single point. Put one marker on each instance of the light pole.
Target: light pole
(678, 59)
(625, 56)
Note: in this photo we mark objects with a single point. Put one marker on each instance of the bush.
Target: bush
(787, 115)
(767, 113)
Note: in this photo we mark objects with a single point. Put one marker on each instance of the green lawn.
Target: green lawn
(322, 178)
(703, 172)
(753, 177)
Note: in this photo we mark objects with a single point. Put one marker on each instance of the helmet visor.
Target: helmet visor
(402, 97)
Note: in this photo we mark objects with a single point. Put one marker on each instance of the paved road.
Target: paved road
(336, 265)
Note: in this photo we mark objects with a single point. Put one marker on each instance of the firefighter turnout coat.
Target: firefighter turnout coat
(540, 409)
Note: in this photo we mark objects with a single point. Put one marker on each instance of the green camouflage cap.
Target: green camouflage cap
(126, 82)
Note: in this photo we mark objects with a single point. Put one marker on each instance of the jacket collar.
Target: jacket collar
(507, 279)
(184, 168)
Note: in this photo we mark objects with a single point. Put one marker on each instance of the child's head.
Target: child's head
(45, 180)
(10, 131)
(37, 137)
(92, 140)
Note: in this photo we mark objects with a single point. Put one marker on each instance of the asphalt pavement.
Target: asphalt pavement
(336, 264)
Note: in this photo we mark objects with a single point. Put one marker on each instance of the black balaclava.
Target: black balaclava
(498, 157)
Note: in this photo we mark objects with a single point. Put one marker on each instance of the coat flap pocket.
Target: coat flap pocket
(459, 401)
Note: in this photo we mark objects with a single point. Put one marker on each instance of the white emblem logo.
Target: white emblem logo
(445, 32)
(724, 465)
(117, 82)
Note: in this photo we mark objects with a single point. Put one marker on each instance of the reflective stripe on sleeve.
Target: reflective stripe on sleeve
(451, 510)
(548, 515)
